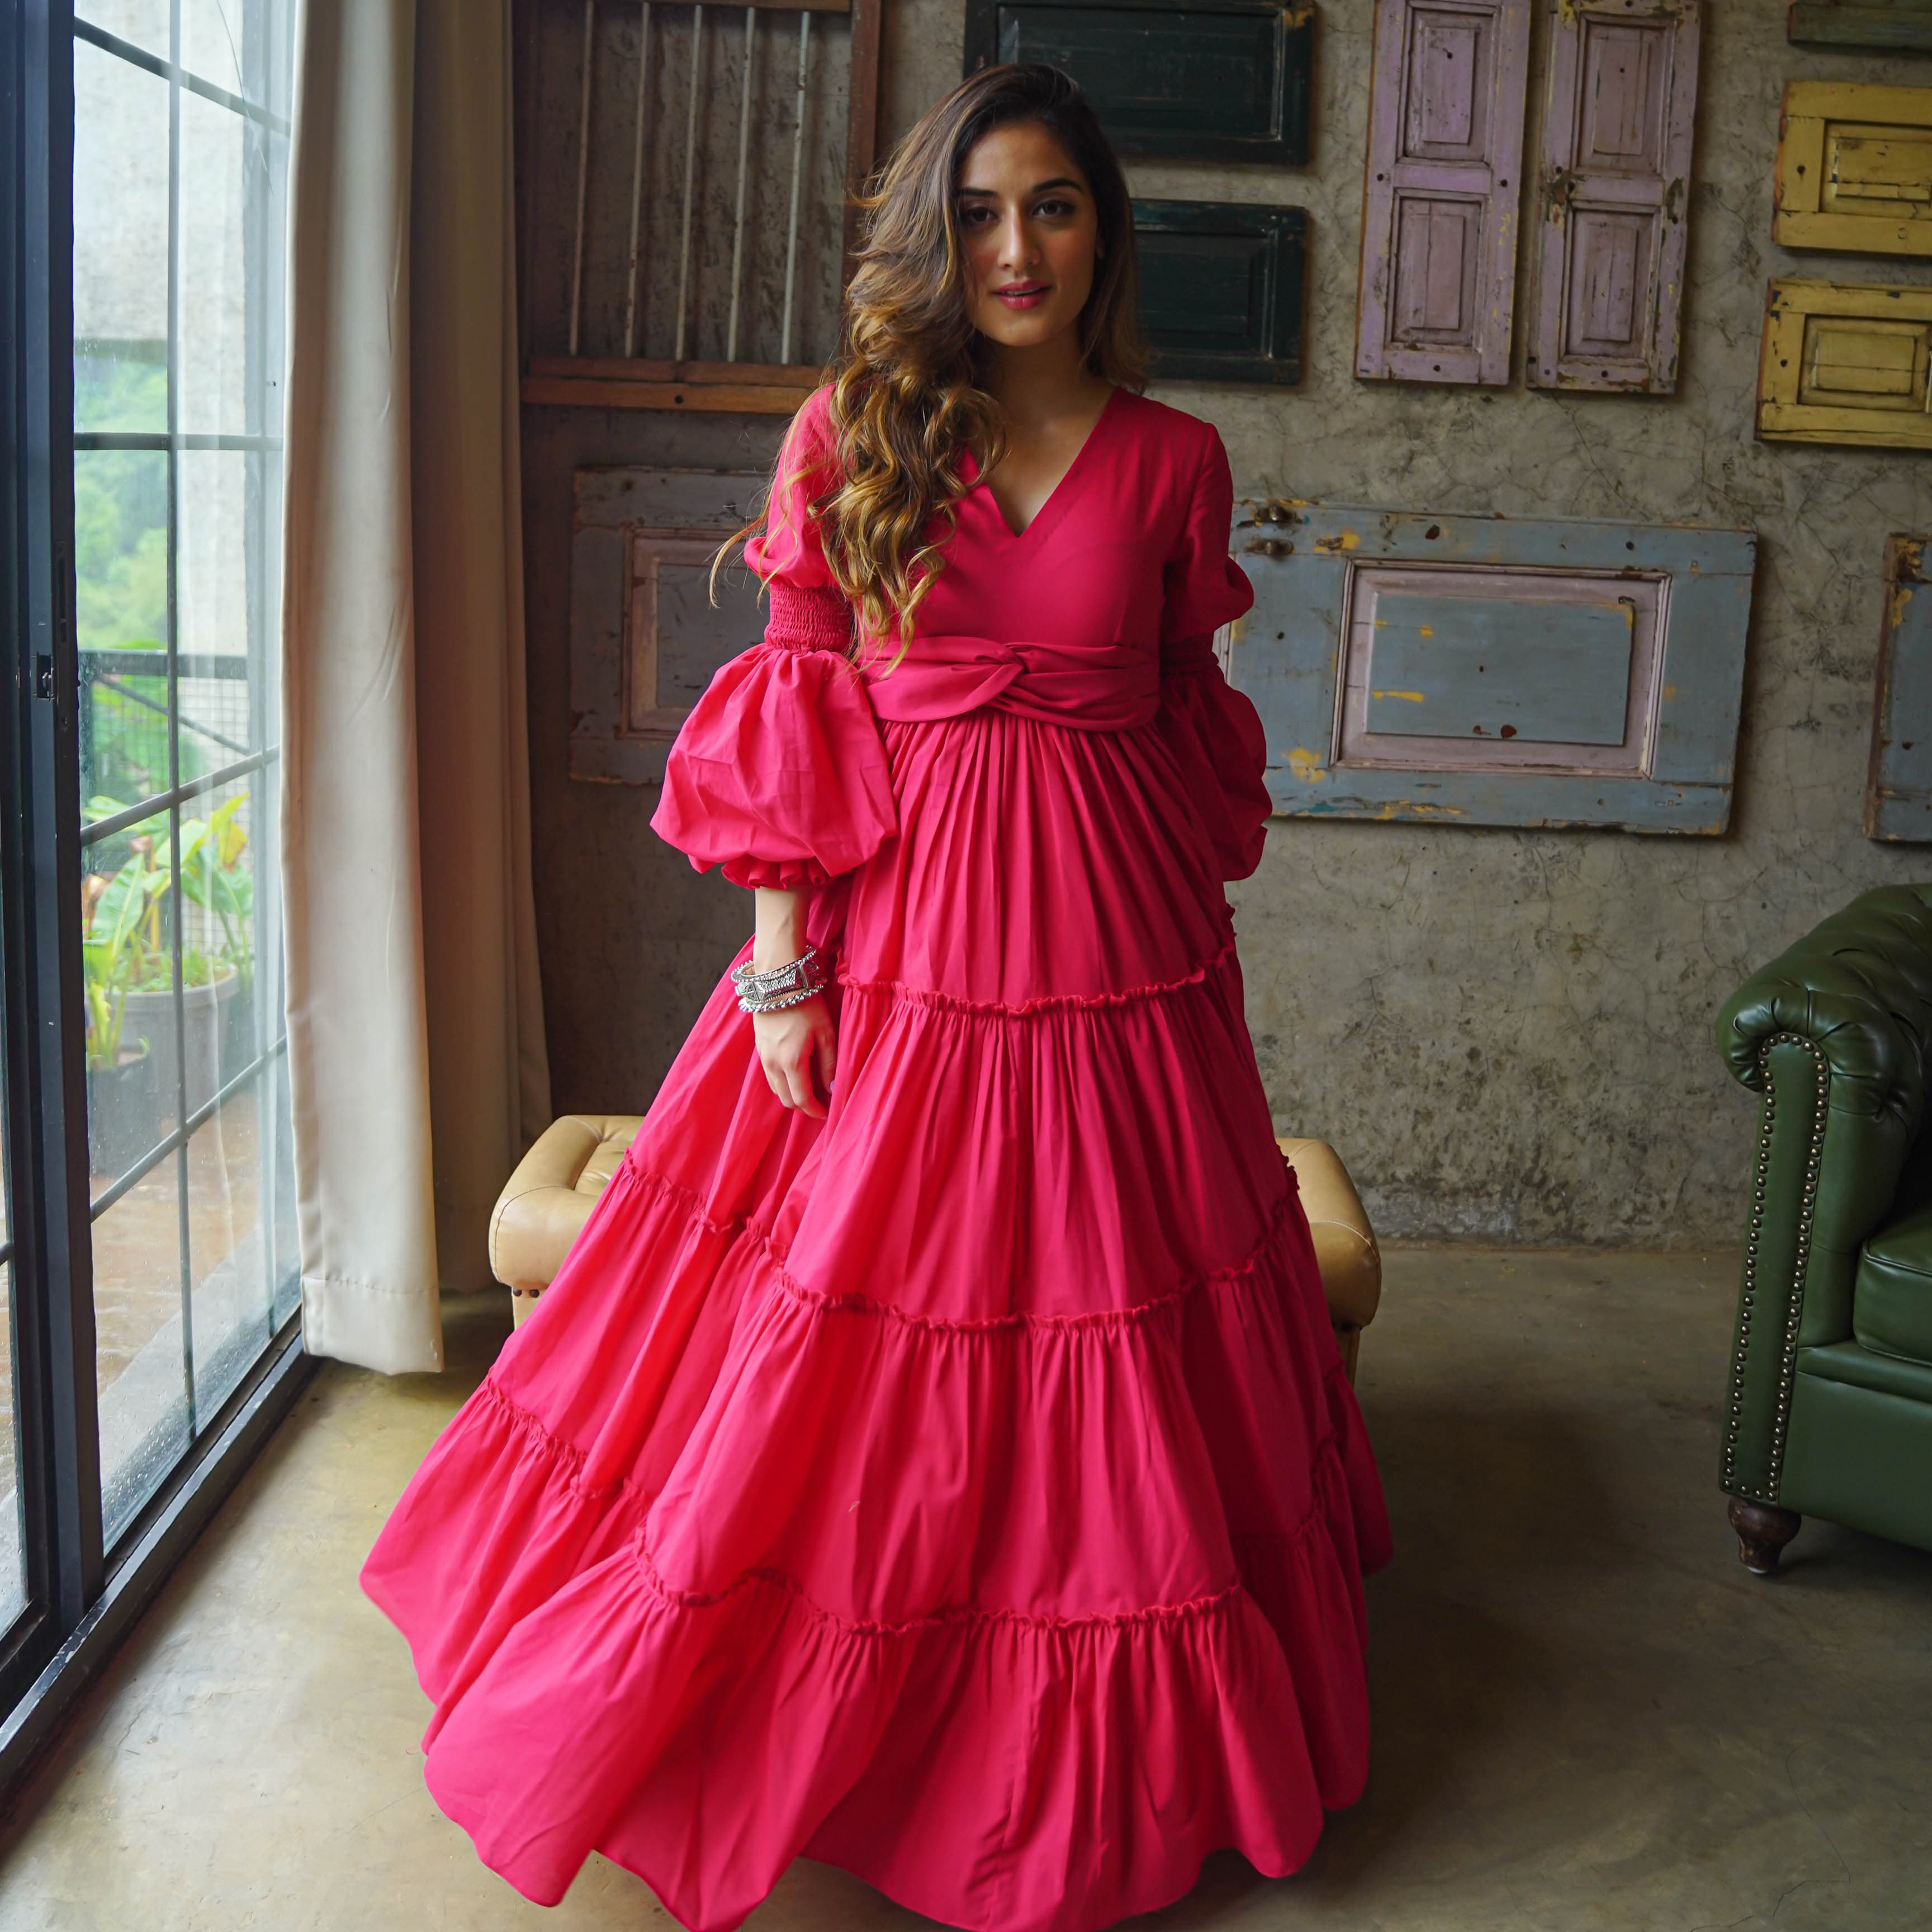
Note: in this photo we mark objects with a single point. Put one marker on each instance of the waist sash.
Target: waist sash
(1090, 687)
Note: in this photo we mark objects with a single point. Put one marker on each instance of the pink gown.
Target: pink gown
(964, 1489)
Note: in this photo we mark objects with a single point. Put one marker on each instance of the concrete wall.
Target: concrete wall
(1507, 1034)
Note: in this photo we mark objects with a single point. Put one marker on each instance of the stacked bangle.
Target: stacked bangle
(780, 986)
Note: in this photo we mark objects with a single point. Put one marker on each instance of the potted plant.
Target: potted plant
(137, 902)
(123, 1107)
(213, 877)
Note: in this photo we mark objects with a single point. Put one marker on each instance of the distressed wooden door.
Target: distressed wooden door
(1855, 168)
(1613, 196)
(1439, 218)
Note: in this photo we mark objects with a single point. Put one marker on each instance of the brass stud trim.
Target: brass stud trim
(1801, 1259)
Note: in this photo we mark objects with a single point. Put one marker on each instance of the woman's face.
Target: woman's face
(1029, 235)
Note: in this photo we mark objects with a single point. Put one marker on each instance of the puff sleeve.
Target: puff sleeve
(1214, 732)
(778, 776)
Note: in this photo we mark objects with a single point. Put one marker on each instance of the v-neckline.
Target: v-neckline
(1056, 497)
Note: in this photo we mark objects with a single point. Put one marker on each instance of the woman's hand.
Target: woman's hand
(794, 1043)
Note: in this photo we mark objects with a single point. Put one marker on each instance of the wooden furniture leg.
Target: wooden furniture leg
(1763, 1530)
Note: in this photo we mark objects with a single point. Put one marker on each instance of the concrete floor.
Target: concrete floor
(1587, 1715)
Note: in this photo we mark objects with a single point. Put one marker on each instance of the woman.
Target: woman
(934, 1456)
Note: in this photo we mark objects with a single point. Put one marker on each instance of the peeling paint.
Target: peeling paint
(1307, 768)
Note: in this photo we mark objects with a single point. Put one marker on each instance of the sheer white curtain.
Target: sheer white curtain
(415, 1021)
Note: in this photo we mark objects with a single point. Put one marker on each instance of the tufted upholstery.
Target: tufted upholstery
(546, 1201)
(1828, 1409)
(1860, 985)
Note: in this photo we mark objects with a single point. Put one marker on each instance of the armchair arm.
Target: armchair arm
(1835, 1033)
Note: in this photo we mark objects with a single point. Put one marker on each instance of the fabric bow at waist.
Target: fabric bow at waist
(1091, 687)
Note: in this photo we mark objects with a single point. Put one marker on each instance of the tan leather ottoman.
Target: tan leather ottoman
(545, 1203)
(1344, 1243)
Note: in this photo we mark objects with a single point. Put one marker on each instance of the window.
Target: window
(149, 1275)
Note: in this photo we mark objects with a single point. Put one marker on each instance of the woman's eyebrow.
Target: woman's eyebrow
(1038, 187)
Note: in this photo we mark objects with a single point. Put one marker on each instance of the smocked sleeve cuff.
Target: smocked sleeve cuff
(779, 776)
(1215, 735)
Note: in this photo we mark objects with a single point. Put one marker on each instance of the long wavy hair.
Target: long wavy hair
(906, 399)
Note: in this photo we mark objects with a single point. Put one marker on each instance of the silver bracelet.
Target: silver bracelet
(780, 986)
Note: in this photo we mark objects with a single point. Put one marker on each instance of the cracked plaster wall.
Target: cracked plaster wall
(1507, 1035)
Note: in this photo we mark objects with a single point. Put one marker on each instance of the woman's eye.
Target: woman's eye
(1054, 210)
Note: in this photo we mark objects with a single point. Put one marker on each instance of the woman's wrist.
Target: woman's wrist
(778, 936)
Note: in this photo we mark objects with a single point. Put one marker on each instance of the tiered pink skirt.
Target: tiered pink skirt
(964, 1490)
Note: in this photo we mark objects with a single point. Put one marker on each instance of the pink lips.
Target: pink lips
(1023, 294)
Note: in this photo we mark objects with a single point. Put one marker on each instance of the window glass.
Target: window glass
(180, 221)
(120, 243)
(233, 1294)
(227, 593)
(141, 23)
(138, 1344)
(13, 1541)
(218, 149)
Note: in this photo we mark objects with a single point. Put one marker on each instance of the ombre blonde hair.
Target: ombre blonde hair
(905, 400)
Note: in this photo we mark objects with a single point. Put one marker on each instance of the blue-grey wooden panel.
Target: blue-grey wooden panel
(1898, 792)
(1288, 655)
(1474, 667)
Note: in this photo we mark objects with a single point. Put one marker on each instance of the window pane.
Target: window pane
(217, 145)
(120, 243)
(133, 1027)
(145, 22)
(242, 47)
(227, 592)
(223, 930)
(282, 1169)
(13, 1565)
(228, 1263)
(179, 553)
(121, 572)
(138, 1364)
(13, 1571)
(212, 33)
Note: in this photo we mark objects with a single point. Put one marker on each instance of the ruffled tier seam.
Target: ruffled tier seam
(1188, 1609)
(852, 1302)
(568, 1458)
(900, 994)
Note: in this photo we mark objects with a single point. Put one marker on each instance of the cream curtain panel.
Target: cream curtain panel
(416, 1055)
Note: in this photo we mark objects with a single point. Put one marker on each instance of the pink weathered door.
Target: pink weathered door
(1613, 196)
(1439, 217)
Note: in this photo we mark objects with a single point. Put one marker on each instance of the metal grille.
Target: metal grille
(707, 155)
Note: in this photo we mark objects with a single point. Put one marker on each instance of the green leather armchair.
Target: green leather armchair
(1828, 1408)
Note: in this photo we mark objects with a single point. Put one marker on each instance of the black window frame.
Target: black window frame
(82, 1599)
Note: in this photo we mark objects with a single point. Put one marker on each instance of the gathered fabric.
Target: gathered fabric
(1090, 688)
(965, 1488)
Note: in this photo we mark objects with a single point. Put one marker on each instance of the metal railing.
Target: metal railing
(722, 168)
